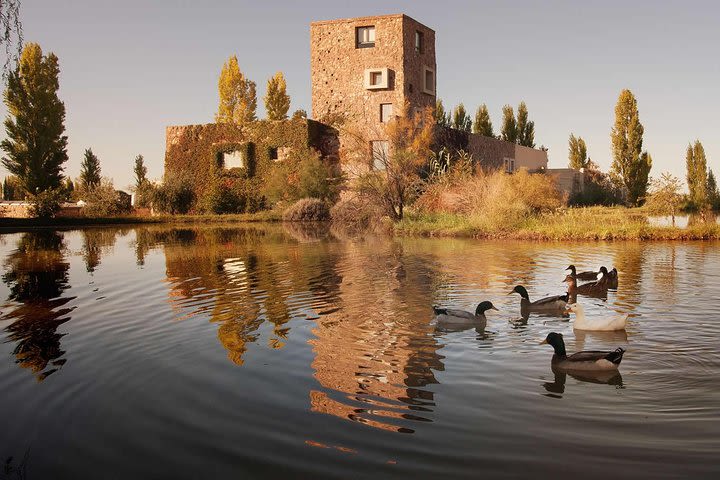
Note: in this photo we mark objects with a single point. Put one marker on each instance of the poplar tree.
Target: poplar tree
(90, 171)
(140, 171)
(525, 128)
(238, 100)
(441, 117)
(460, 119)
(509, 127)
(577, 153)
(35, 145)
(277, 101)
(631, 166)
(483, 124)
(712, 190)
(697, 175)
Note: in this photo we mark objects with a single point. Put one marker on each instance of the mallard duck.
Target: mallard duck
(598, 287)
(451, 317)
(589, 360)
(612, 278)
(617, 322)
(582, 275)
(548, 304)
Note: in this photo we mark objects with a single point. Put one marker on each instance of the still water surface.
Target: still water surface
(261, 352)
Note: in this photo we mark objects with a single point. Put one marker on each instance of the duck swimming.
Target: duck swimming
(596, 324)
(555, 303)
(451, 317)
(612, 277)
(582, 275)
(598, 287)
(589, 360)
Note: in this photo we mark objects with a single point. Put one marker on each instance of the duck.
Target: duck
(547, 304)
(582, 275)
(453, 318)
(589, 360)
(611, 324)
(612, 279)
(598, 287)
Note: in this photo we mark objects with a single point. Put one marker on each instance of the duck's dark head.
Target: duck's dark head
(572, 269)
(603, 270)
(521, 290)
(484, 307)
(557, 342)
(569, 279)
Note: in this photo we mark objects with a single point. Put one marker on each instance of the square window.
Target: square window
(376, 78)
(380, 151)
(418, 42)
(429, 81)
(273, 153)
(385, 112)
(234, 159)
(365, 37)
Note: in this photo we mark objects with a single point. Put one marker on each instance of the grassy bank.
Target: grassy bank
(595, 223)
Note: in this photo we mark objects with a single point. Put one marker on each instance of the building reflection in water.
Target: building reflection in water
(37, 275)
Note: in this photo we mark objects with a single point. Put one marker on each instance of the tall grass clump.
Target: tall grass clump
(307, 210)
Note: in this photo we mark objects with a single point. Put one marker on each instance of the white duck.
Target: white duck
(617, 322)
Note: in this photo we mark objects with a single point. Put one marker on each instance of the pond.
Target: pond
(269, 351)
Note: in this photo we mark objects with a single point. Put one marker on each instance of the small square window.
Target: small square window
(365, 37)
(419, 42)
(380, 151)
(234, 159)
(376, 78)
(429, 81)
(273, 153)
(385, 112)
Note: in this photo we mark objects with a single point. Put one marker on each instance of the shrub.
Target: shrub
(307, 210)
(302, 175)
(355, 215)
(46, 204)
(599, 190)
(175, 195)
(104, 201)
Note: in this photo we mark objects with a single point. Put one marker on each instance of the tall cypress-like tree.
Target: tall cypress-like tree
(140, 171)
(577, 152)
(483, 124)
(712, 191)
(630, 164)
(525, 128)
(238, 100)
(442, 118)
(697, 176)
(460, 119)
(509, 127)
(90, 171)
(277, 101)
(35, 145)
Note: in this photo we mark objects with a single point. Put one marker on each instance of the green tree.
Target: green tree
(90, 171)
(631, 166)
(483, 124)
(697, 176)
(577, 153)
(140, 171)
(509, 127)
(525, 128)
(299, 113)
(665, 197)
(68, 188)
(35, 145)
(712, 191)
(277, 101)
(460, 119)
(442, 118)
(238, 100)
(12, 190)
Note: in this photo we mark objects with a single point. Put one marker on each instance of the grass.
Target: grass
(592, 223)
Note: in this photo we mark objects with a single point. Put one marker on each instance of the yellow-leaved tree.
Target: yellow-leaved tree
(277, 101)
(238, 101)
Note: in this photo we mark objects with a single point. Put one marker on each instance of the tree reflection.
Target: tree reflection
(96, 242)
(37, 275)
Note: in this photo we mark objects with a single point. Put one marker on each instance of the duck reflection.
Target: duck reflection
(612, 338)
(37, 275)
(557, 387)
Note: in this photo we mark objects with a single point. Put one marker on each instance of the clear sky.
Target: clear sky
(130, 68)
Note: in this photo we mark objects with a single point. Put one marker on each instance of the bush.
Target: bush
(303, 175)
(355, 215)
(46, 204)
(307, 210)
(175, 195)
(104, 201)
(599, 190)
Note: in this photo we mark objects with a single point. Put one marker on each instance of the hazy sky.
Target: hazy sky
(131, 68)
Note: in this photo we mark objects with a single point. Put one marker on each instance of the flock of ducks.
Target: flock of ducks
(589, 360)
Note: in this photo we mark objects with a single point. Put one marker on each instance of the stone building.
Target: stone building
(363, 73)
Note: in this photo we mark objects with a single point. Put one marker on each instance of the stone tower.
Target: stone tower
(365, 69)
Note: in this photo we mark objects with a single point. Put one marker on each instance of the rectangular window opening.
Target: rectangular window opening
(273, 153)
(380, 151)
(386, 110)
(418, 42)
(365, 37)
(429, 81)
(235, 159)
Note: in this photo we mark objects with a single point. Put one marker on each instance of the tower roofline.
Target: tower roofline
(368, 19)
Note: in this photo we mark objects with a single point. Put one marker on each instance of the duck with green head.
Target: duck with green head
(552, 304)
(597, 288)
(589, 360)
(452, 317)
